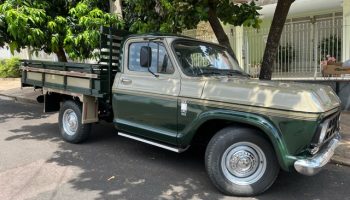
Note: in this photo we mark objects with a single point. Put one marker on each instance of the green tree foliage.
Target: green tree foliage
(176, 15)
(9, 68)
(61, 26)
(144, 16)
(2, 28)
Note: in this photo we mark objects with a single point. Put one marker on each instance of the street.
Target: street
(36, 164)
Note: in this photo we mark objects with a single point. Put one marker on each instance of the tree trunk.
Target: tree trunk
(219, 30)
(61, 55)
(116, 7)
(274, 37)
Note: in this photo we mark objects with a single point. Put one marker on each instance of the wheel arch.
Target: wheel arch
(220, 119)
(52, 100)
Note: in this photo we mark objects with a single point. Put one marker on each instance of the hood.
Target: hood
(298, 97)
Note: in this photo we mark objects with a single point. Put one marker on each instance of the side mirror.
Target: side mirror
(145, 56)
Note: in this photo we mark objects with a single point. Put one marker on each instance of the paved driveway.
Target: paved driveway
(36, 164)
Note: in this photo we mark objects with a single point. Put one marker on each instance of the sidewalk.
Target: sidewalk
(342, 153)
(12, 89)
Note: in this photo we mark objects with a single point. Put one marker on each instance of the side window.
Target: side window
(160, 59)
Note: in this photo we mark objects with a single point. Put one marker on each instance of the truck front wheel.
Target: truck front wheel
(241, 162)
(70, 123)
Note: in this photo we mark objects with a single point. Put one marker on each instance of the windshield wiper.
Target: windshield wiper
(208, 73)
(234, 72)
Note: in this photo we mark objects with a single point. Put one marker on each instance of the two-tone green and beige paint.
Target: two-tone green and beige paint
(171, 108)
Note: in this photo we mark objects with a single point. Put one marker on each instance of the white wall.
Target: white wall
(4, 53)
(306, 8)
(346, 30)
(24, 54)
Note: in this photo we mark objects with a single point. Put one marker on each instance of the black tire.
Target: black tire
(74, 132)
(238, 146)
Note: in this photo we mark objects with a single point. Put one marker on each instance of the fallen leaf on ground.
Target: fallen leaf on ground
(110, 178)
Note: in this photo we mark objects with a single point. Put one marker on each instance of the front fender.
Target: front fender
(262, 123)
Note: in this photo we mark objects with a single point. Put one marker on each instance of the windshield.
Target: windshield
(203, 59)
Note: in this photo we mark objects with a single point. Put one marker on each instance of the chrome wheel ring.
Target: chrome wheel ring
(243, 163)
(70, 122)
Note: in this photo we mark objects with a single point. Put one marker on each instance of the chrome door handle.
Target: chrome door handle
(126, 81)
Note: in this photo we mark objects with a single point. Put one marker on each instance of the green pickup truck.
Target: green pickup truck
(174, 91)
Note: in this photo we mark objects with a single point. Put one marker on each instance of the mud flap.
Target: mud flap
(90, 110)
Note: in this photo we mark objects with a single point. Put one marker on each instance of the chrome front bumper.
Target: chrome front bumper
(311, 166)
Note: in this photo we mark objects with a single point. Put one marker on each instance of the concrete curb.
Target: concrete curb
(340, 160)
(10, 79)
(19, 99)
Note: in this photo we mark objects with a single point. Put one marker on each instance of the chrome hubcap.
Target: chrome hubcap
(243, 163)
(70, 122)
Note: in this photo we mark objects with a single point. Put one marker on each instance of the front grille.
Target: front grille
(333, 126)
(325, 132)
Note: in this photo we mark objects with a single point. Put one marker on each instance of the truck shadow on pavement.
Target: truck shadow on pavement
(41, 133)
(119, 168)
(28, 111)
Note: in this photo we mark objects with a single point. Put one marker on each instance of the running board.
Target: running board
(174, 149)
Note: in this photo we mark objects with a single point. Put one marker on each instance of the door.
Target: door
(146, 105)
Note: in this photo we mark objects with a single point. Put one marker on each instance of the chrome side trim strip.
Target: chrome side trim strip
(177, 150)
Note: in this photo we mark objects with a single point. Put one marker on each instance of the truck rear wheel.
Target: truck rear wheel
(70, 123)
(241, 162)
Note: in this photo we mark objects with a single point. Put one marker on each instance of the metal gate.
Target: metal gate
(304, 43)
